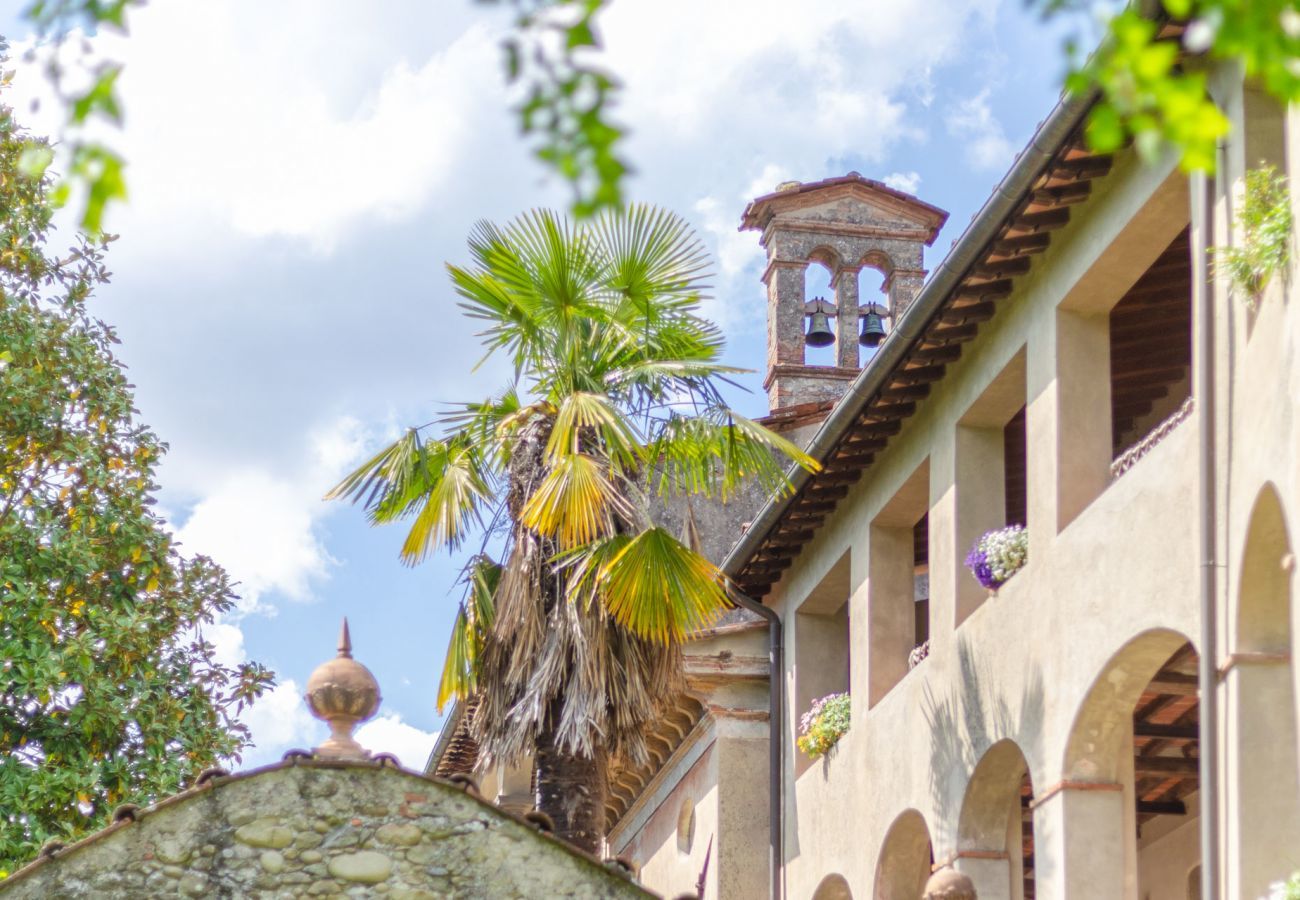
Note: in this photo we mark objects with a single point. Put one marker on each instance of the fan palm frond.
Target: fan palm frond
(655, 587)
(715, 453)
(576, 503)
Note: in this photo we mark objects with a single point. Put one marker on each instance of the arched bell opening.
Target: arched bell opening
(820, 311)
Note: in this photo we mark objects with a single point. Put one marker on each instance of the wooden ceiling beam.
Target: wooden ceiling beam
(1007, 268)
(906, 391)
(988, 290)
(1161, 808)
(824, 491)
(1036, 222)
(980, 311)
(1167, 732)
(1155, 373)
(1084, 168)
(1166, 765)
(1021, 246)
(1064, 195)
(948, 353)
(869, 429)
(857, 459)
(1174, 683)
(951, 334)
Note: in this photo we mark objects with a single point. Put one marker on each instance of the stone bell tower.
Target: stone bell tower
(844, 223)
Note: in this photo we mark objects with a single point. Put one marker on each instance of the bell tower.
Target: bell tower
(843, 223)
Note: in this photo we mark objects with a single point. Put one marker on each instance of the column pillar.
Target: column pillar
(1079, 843)
(903, 286)
(846, 324)
(1261, 816)
(980, 490)
(1068, 420)
(989, 871)
(740, 852)
(785, 300)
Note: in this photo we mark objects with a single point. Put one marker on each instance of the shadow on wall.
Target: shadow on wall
(963, 726)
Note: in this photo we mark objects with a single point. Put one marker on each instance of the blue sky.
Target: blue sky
(301, 170)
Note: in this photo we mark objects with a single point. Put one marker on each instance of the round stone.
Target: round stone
(273, 861)
(365, 866)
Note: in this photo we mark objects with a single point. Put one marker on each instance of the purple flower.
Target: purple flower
(977, 561)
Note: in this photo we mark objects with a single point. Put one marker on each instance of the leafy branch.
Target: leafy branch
(567, 98)
(1266, 226)
(1150, 94)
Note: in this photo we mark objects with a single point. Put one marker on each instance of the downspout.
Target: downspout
(776, 737)
(1203, 292)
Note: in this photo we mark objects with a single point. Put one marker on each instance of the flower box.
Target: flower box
(821, 727)
(998, 555)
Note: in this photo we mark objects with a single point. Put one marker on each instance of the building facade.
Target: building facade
(1117, 720)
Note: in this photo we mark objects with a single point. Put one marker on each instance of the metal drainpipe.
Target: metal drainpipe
(776, 737)
(1208, 667)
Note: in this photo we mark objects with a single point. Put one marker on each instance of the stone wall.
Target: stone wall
(321, 829)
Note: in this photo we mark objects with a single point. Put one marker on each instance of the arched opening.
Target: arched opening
(995, 834)
(905, 859)
(873, 288)
(1123, 822)
(833, 887)
(819, 284)
(1261, 759)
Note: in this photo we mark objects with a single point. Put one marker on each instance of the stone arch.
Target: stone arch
(1116, 777)
(833, 887)
(879, 260)
(1264, 824)
(1264, 594)
(827, 256)
(1102, 734)
(905, 858)
(991, 829)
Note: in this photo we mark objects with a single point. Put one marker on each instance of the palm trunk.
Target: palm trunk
(571, 789)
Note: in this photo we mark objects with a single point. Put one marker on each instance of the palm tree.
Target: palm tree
(571, 636)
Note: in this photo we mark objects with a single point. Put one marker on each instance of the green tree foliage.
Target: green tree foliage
(571, 642)
(109, 693)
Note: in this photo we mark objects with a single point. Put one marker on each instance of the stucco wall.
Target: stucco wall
(321, 830)
(1112, 582)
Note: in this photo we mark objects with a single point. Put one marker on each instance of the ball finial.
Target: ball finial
(342, 693)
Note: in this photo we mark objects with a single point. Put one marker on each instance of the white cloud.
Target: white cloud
(987, 146)
(260, 118)
(280, 721)
(263, 525)
(389, 734)
(908, 182)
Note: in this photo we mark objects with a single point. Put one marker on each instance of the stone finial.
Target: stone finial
(949, 884)
(342, 693)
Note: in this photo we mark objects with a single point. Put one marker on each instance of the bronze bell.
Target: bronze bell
(819, 326)
(873, 329)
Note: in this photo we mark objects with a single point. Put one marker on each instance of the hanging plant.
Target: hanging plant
(821, 727)
(1265, 246)
(998, 555)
